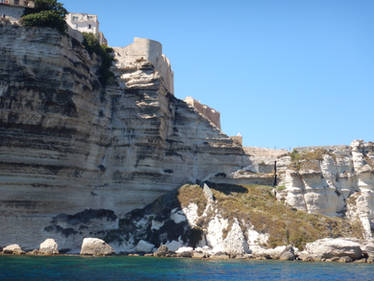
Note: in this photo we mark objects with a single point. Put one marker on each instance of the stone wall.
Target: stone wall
(13, 13)
(237, 139)
(209, 113)
(143, 49)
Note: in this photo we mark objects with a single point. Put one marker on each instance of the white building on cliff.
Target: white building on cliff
(86, 23)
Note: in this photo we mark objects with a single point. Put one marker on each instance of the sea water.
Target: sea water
(65, 268)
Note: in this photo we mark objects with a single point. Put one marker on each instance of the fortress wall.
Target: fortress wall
(326, 147)
(209, 113)
(237, 139)
(264, 152)
(149, 50)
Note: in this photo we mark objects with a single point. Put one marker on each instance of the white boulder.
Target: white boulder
(329, 248)
(278, 253)
(184, 249)
(13, 249)
(95, 247)
(49, 247)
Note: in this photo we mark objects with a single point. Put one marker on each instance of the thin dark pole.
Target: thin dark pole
(275, 174)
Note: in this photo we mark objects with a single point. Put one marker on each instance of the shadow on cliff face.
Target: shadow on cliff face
(227, 188)
(161, 222)
(191, 214)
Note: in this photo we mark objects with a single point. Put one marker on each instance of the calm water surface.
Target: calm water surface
(140, 268)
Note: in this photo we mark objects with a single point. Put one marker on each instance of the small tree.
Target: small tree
(48, 13)
(92, 45)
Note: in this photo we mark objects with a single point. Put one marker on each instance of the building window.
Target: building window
(89, 26)
(75, 18)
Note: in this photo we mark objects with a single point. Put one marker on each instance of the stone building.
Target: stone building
(86, 23)
(143, 49)
(18, 3)
(209, 113)
(238, 139)
(13, 9)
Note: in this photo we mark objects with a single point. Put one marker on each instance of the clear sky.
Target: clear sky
(283, 73)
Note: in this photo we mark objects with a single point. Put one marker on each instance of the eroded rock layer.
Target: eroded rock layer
(337, 181)
(67, 144)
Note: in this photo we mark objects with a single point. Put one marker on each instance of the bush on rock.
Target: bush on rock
(47, 13)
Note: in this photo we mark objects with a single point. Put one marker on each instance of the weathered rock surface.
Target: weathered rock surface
(279, 253)
(80, 159)
(13, 249)
(336, 181)
(95, 247)
(144, 247)
(76, 156)
(196, 221)
(162, 251)
(49, 247)
(331, 248)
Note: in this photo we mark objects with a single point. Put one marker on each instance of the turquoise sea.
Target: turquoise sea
(145, 268)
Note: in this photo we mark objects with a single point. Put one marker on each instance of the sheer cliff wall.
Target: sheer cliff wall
(71, 150)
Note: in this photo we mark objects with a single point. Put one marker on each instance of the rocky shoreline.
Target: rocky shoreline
(341, 250)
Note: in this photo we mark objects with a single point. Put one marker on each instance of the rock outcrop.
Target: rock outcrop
(222, 220)
(162, 251)
(334, 181)
(95, 247)
(75, 156)
(49, 247)
(283, 253)
(332, 248)
(13, 249)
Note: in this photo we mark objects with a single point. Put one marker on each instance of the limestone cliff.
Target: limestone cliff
(337, 181)
(75, 153)
(221, 218)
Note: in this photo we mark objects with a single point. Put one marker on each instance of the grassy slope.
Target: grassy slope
(257, 205)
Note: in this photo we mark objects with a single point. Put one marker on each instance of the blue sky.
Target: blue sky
(282, 73)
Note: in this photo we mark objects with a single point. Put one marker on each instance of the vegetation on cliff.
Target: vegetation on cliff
(256, 205)
(92, 45)
(47, 13)
(305, 159)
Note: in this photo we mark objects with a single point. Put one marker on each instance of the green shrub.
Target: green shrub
(47, 13)
(47, 5)
(92, 45)
(44, 19)
(280, 188)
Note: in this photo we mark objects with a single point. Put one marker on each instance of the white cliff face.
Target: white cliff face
(339, 183)
(76, 156)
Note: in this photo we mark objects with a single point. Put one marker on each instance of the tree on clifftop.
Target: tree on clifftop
(48, 13)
